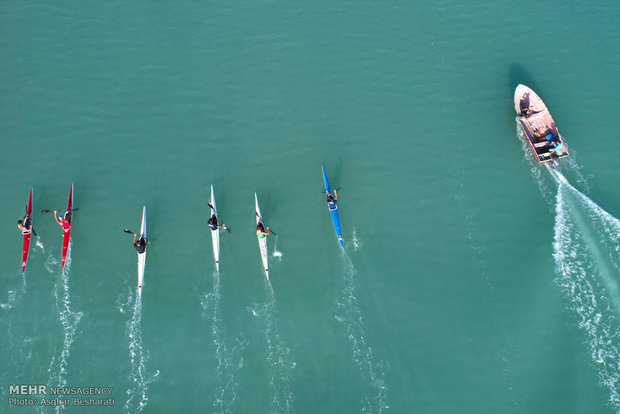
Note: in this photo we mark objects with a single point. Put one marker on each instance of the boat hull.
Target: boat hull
(66, 233)
(142, 256)
(215, 235)
(262, 242)
(536, 123)
(333, 212)
(26, 237)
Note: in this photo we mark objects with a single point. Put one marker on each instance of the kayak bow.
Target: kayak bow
(262, 242)
(334, 211)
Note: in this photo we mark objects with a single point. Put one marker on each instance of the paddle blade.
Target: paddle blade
(46, 211)
(128, 231)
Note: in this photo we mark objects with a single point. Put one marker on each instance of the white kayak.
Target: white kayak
(215, 234)
(142, 256)
(262, 242)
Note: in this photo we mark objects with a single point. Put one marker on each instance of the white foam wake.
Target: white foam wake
(137, 393)
(356, 242)
(69, 320)
(40, 245)
(279, 359)
(276, 252)
(587, 259)
(226, 390)
(11, 299)
(350, 316)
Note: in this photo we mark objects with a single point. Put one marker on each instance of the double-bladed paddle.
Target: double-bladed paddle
(131, 232)
(51, 211)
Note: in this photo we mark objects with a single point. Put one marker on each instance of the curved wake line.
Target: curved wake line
(609, 224)
(585, 250)
(226, 391)
(350, 315)
(137, 394)
(579, 278)
(278, 355)
(69, 320)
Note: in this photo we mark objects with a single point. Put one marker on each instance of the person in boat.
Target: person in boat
(65, 222)
(526, 106)
(140, 245)
(554, 143)
(261, 233)
(213, 225)
(24, 225)
(332, 200)
(557, 148)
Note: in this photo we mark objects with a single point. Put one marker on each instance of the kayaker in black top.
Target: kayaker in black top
(140, 245)
(213, 222)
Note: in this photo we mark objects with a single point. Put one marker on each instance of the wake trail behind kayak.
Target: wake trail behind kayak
(279, 359)
(69, 320)
(226, 390)
(17, 348)
(349, 314)
(137, 393)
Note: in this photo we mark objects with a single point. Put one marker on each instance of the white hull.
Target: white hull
(142, 256)
(262, 243)
(215, 235)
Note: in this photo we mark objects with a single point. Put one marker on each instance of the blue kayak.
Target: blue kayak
(333, 208)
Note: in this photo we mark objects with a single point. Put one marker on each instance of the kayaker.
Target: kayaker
(24, 225)
(65, 222)
(213, 225)
(261, 233)
(140, 245)
(331, 200)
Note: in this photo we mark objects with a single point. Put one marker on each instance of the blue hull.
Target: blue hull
(334, 213)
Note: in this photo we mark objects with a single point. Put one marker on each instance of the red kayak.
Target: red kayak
(26, 244)
(66, 233)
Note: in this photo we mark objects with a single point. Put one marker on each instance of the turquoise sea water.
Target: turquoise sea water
(471, 279)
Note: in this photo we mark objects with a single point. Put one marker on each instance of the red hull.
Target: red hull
(66, 234)
(26, 244)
